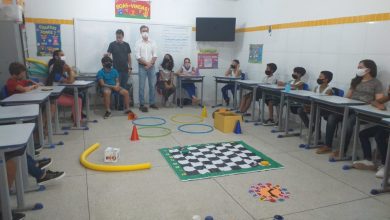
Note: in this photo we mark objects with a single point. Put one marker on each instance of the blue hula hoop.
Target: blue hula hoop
(180, 128)
(163, 121)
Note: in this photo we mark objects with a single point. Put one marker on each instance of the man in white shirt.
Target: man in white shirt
(146, 55)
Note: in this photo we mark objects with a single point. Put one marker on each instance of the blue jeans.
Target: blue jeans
(142, 74)
(380, 135)
(333, 120)
(225, 90)
(190, 88)
(33, 170)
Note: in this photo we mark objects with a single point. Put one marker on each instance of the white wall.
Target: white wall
(337, 48)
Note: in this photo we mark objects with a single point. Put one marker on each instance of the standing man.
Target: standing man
(121, 55)
(146, 55)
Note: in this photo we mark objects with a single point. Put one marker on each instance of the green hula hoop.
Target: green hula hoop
(198, 119)
(167, 132)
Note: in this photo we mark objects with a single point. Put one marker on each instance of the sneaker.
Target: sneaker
(227, 101)
(364, 165)
(381, 172)
(50, 176)
(154, 107)
(127, 111)
(107, 115)
(324, 150)
(270, 121)
(334, 154)
(143, 108)
(195, 101)
(44, 163)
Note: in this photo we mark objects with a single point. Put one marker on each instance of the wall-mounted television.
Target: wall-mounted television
(215, 29)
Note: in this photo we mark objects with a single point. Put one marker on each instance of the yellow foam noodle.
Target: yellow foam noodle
(109, 168)
(33, 60)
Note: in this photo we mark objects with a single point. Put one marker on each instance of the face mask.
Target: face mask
(145, 34)
(361, 72)
(267, 72)
(62, 58)
(232, 66)
(187, 65)
(294, 76)
(107, 65)
(320, 81)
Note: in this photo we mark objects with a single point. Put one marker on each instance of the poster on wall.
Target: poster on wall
(132, 9)
(208, 60)
(255, 53)
(48, 38)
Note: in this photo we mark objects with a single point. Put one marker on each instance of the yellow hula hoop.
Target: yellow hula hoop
(198, 119)
(109, 168)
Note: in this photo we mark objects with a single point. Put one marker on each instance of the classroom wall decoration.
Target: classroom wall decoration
(255, 53)
(208, 59)
(132, 9)
(48, 38)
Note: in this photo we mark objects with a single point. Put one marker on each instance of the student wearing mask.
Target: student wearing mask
(188, 70)
(233, 71)
(166, 77)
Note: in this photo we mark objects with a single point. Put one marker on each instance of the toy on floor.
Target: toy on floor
(216, 159)
(204, 112)
(269, 192)
(111, 155)
(237, 128)
(131, 116)
(166, 131)
(220, 110)
(134, 134)
(181, 128)
(109, 168)
(226, 121)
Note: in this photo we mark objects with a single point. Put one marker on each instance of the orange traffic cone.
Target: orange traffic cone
(131, 116)
(134, 134)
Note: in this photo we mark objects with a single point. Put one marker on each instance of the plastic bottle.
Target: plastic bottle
(287, 88)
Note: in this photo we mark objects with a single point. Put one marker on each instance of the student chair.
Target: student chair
(4, 92)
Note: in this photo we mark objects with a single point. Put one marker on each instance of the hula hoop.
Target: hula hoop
(167, 130)
(199, 119)
(163, 121)
(180, 128)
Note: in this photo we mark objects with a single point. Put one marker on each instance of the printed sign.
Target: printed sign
(208, 60)
(255, 53)
(48, 38)
(132, 9)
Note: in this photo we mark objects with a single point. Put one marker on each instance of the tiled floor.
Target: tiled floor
(319, 189)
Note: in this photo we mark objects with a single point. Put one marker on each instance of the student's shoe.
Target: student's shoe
(381, 172)
(37, 153)
(364, 165)
(127, 111)
(50, 176)
(334, 154)
(143, 108)
(227, 101)
(107, 115)
(270, 121)
(154, 107)
(195, 101)
(44, 163)
(38, 147)
(324, 150)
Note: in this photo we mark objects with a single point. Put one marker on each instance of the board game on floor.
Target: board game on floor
(216, 159)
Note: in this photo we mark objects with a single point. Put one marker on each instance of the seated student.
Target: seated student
(62, 73)
(166, 77)
(381, 135)
(57, 55)
(269, 78)
(37, 170)
(323, 87)
(18, 83)
(188, 70)
(233, 71)
(108, 79)
(364, 87)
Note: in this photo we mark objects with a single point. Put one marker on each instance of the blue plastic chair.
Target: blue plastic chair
(338, 92)
(306, 86)
(4, 92)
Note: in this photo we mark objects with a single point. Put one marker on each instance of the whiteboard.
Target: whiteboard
(92, 38)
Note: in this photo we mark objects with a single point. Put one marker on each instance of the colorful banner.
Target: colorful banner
(132, 9)
(255, 53)
(208, 60)
(48, 38)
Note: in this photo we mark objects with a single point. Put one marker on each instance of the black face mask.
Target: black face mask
(320, 81)
(267, 72)
(107, 65)
(294, 76)
(232, 66)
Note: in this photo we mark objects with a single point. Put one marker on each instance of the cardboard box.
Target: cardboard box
(226, 121)
(111, 155)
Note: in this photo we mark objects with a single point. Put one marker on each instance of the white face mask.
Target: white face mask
(145, 35)
(63, 58)
(361, 72)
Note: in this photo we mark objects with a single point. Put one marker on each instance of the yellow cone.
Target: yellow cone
(204, 112)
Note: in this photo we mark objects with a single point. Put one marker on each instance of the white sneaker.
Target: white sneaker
(364, 165)
(381, 172)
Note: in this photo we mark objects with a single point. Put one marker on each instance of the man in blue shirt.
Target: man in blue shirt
(108, 79)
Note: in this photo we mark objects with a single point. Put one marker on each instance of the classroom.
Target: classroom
(194, 109)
